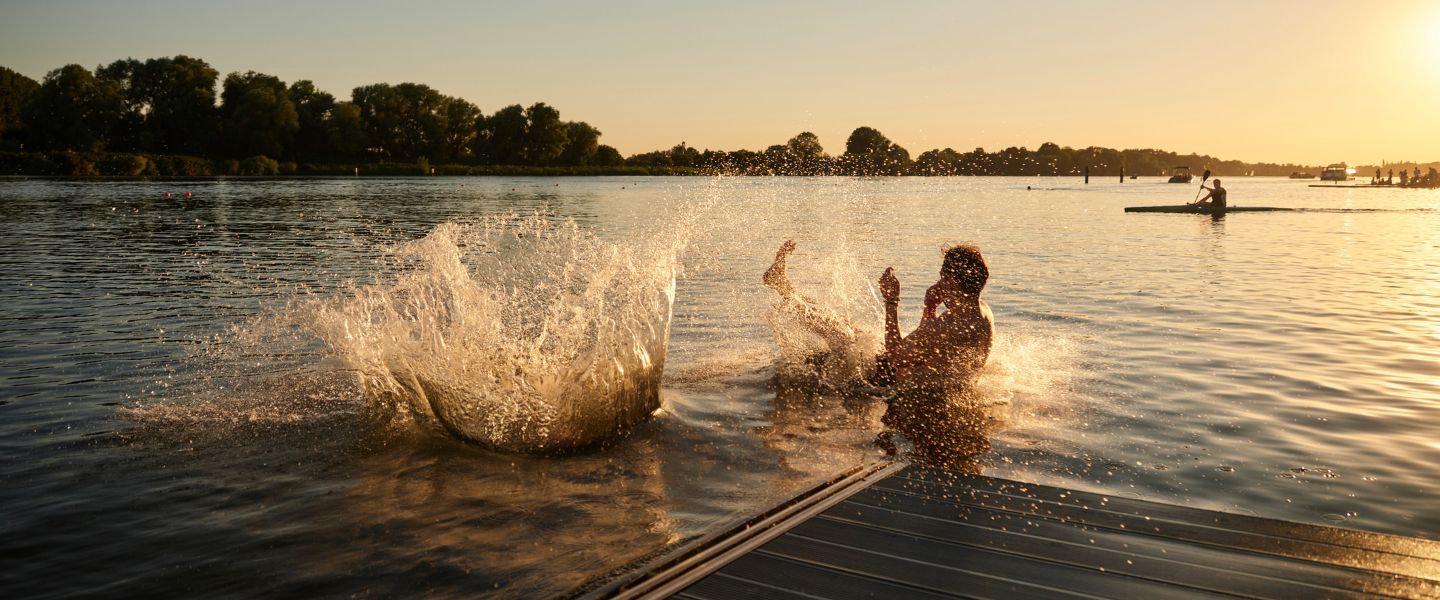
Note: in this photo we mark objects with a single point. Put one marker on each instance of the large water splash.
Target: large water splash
(520, 333)
(845, 301)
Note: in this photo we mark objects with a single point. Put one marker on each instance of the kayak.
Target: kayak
(1201, 210)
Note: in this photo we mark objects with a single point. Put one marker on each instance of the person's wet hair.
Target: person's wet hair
(965, 264)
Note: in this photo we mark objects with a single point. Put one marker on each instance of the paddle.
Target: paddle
(1203, 178)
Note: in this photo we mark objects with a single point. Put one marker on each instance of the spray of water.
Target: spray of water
(948, 424)
(520, 333)
(844, 302)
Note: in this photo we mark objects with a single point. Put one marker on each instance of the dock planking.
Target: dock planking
(911, 532)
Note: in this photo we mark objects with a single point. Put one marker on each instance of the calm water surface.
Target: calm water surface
(1279, 364)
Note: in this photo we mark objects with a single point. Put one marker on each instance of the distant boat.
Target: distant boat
(1337, 173)
(1180, 175)
(1134, 176)
(1302, 175)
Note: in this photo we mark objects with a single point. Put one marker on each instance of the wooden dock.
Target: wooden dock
(897, 531)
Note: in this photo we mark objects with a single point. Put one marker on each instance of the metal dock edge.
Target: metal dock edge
(674, 570)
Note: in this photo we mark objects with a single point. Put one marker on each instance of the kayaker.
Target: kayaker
(1216, 197)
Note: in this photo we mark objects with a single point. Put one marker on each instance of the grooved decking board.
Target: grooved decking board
(926, 534)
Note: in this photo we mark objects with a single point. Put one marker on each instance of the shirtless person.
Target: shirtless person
(948, 347)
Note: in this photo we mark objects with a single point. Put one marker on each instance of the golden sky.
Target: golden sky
(1258, 80)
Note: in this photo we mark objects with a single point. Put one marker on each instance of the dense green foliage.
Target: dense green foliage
(168, 106)
(257, 116)
(16, 91)
(161, 117)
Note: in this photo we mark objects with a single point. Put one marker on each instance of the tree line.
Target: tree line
(163, 116)
(869, 152)
(169, 106)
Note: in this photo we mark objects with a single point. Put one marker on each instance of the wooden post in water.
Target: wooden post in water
(1122, 173)
(1087, 174)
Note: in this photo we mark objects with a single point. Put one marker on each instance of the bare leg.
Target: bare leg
(775, 276)
(838, 334)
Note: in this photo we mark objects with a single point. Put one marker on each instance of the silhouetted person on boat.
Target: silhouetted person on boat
(1391, 179)
(945, 348)
(1216, 197)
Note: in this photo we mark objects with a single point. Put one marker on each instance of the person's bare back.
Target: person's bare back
(948, 347)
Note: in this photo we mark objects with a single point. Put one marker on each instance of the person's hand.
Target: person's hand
(943, 291)
(890, 287)
(933, 298)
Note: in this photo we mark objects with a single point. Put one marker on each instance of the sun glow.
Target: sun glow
(1432, 38)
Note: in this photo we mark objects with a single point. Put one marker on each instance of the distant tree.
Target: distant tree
(545, 134)
(403, 121)
(345, 132)
(169, 104)
(804, 155)
(460, 119)
(680, 155)
(1049, 159)
(869, 152)
(312, 109)
(684, 156)
(607, 156)
(975, 162)
(806, 147)
(16, 92)
(74, 110)
(938, 162)
(128, 134)
(1015, 161)
(257, 115)
(581, 144)
(866, 140)
(500, 138)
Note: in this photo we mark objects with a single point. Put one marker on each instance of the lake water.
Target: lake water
(180, 414)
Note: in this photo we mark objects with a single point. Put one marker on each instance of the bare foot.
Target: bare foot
(775, 276)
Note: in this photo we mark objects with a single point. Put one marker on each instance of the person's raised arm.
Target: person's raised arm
(890, 292)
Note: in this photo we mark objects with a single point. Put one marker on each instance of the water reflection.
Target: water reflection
(947, 429)
(813, 429)
(1217, 224)
(363, 507)
(504, 526)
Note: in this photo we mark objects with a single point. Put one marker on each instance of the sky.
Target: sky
(1312, 82)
